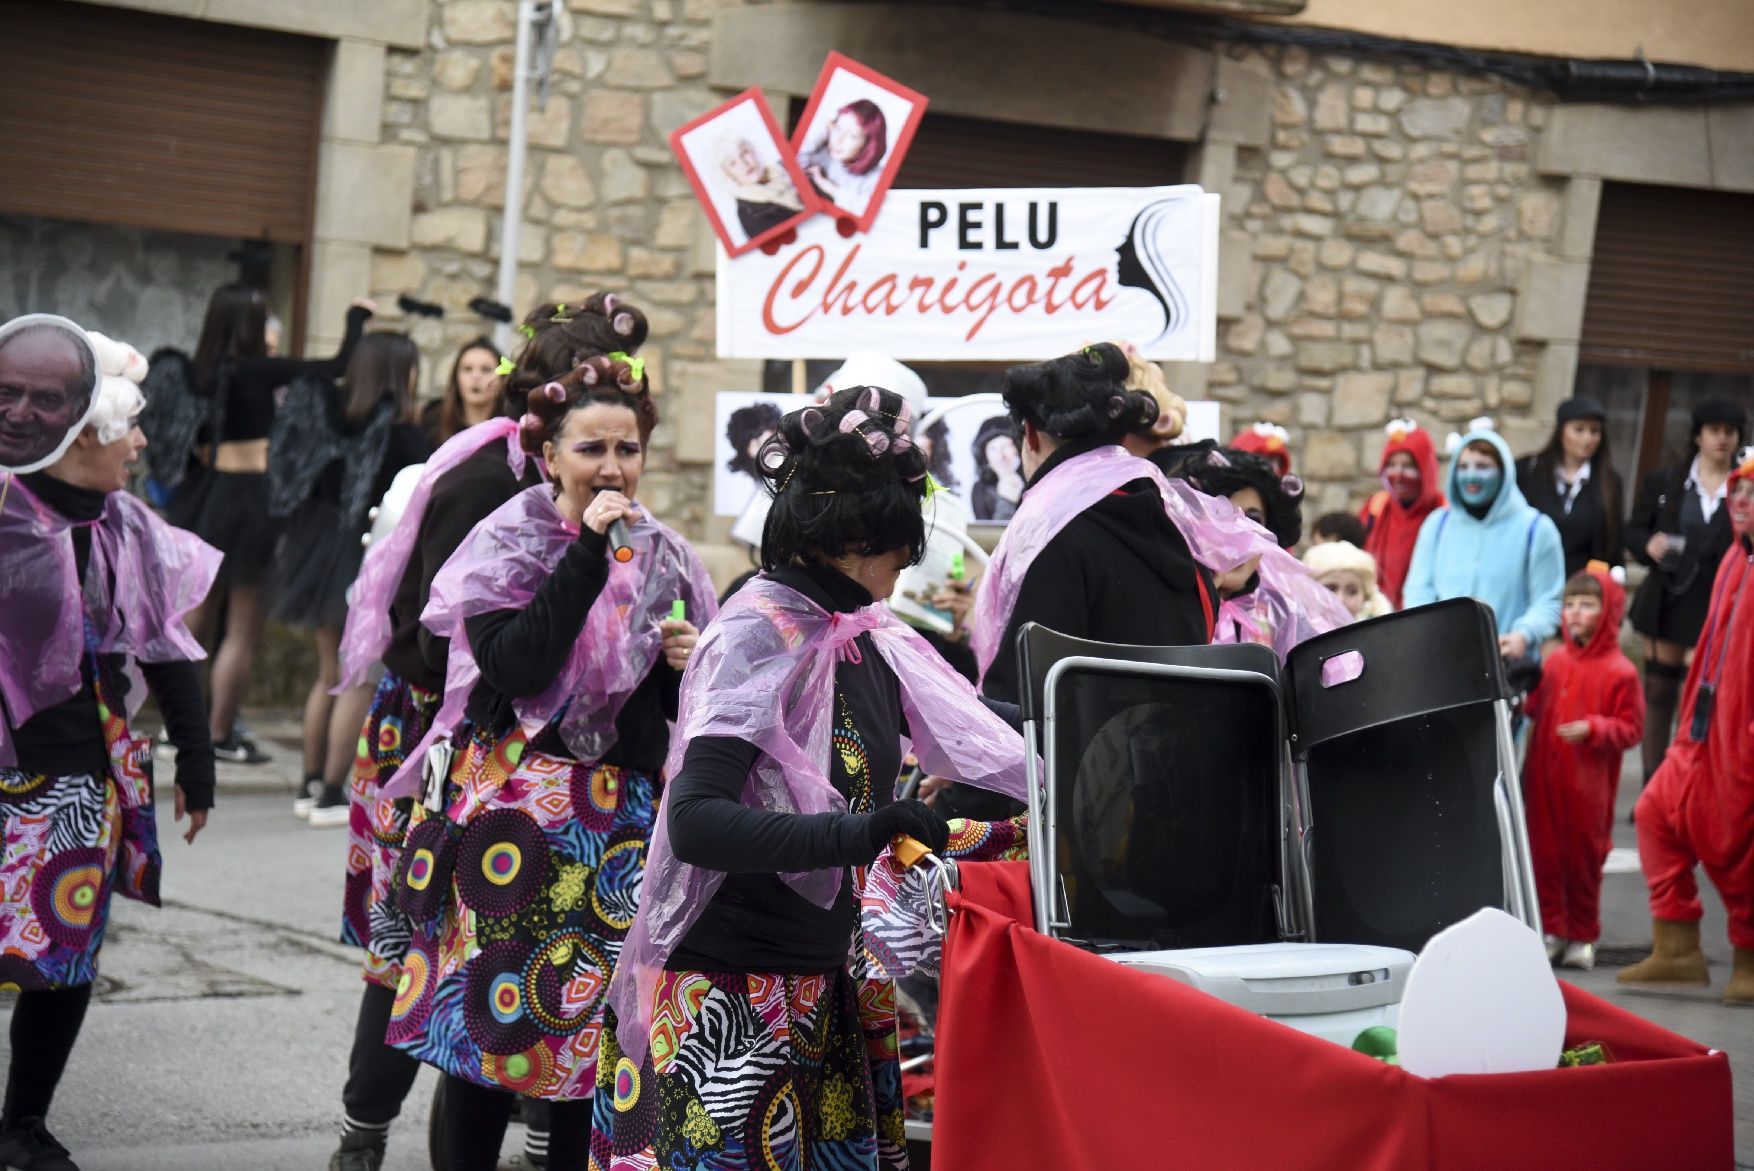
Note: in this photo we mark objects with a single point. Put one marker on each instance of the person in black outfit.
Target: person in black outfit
(76, 815)
(1573, 481)
(380, 1076)
(366, 424)
(226, 503)
(1683, 500)
(729, 910)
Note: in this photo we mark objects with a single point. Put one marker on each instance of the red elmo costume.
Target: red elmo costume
(1390, 527)
(1568, 789)
(1699, 807)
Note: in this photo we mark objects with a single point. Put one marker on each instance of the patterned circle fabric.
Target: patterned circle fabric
(423, 885)
(18, 974)
(757, 1070)
(20, 788)
(412, 985)
(397, 719)
(67, 894)
(493, 1000)
(524, 951)
(502, 863)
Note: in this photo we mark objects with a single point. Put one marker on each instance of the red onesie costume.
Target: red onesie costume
(1569, 789)
(1390, 527)
(1699, 807)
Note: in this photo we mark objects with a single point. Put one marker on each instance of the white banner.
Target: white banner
(1006, 275)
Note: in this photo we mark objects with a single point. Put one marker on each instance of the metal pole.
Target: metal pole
(512, 220)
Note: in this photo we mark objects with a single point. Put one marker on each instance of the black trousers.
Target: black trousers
(475, 1121)
(378, 1077)
(45, 1025)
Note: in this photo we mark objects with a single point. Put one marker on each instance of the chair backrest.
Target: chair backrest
(1397, 733)
(1164, 772)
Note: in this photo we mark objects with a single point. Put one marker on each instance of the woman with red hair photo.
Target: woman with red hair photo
(846, 160)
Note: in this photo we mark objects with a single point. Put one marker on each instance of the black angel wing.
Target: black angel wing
(173, 415)
(303, 441)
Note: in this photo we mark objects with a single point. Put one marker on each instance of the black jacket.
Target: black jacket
(1590, 531)
(1120, 571)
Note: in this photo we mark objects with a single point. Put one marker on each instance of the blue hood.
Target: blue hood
(1510, 500)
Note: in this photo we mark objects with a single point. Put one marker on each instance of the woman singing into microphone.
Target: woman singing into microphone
(564, 668)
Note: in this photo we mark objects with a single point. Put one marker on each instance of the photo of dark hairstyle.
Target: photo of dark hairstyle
(236, 326)
(1140, 264)
(597, 379)
(382, 367)
(450, 414)
(1227, 471)
(1079, 396)
(870, 119)
(845, 477)
(746, 430)
(563, 336)
(939, 458)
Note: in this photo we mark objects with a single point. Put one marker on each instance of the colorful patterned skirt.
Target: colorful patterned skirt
(781, 1073)
(399, 716)
(520, 896)
(67, 844)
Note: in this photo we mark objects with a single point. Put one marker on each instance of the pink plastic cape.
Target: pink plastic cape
(1288, 606)
(367, 635)
(143, 577)
(1218, 534)
(764, 673)
(501, 565)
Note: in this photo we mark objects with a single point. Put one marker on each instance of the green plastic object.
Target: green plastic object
(957, 567)
(1380, 1042)
(679, 611)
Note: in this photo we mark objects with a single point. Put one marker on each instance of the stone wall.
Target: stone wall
(1391, 221)
(606, 206)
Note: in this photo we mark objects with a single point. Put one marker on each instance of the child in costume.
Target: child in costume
(91, 604)
(522, 867)
(1349, 573)
(1410, 492)
(1699, 807)
(1587, 711)
(747, 1037)
(471, 475)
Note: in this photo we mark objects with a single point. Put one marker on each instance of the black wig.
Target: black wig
(1082, 396)
(1227, 471)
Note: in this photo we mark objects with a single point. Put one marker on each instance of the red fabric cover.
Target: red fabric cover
(1568, 789)
(1051, 1056)
(1699, 807)
(1392, 528)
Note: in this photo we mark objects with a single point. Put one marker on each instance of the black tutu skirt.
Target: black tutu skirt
(229, 510)
(316, 564)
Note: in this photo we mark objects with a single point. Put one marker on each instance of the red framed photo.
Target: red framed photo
(743, 173)
(853, 136)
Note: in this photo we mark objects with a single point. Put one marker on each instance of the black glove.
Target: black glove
(916, 819)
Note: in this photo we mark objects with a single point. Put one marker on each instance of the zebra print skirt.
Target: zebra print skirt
(777, 1072)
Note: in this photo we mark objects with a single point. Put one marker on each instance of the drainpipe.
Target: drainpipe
(535, 35)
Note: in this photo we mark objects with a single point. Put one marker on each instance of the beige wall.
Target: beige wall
(1718, 34)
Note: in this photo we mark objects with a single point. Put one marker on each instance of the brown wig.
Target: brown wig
(598, 379)
(563, 336)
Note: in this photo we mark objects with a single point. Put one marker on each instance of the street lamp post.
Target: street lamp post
(535, 36)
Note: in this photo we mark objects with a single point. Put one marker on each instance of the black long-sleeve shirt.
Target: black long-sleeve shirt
(461, 499)
(249, 383)
(521, 652)
(67, 739)
(1588, 532)
(755, 922)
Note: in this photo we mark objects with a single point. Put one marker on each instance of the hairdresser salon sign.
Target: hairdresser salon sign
(985, 275)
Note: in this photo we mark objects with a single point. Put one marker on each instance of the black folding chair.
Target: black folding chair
(1402, 741)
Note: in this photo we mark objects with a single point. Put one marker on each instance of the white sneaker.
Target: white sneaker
(1555, 947)
(307, 799)
(1579, 955)
(330, 816)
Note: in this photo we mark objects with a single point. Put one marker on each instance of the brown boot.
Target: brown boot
(1676, 959)
(1741, 989)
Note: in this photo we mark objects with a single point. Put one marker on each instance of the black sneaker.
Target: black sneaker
(239, 750)
(28, 1146)
(359, 1151)
(331, 810)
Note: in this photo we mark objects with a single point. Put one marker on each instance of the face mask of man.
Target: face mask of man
(1402, 483)
(1478, 485)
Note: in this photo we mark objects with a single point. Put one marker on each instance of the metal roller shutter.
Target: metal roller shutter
(1672, 282)
(121, 117)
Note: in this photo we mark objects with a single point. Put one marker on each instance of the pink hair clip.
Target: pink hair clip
(1116, 404)
(530, 422)
(622, 324)
(773, 454)
(610, 300)
(554, 392)
(814, 424)
(850, 421)
(588, 374)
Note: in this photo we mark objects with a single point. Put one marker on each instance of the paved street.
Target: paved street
(220, 1035)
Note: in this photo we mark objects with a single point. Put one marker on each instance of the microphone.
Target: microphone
(620, 548)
